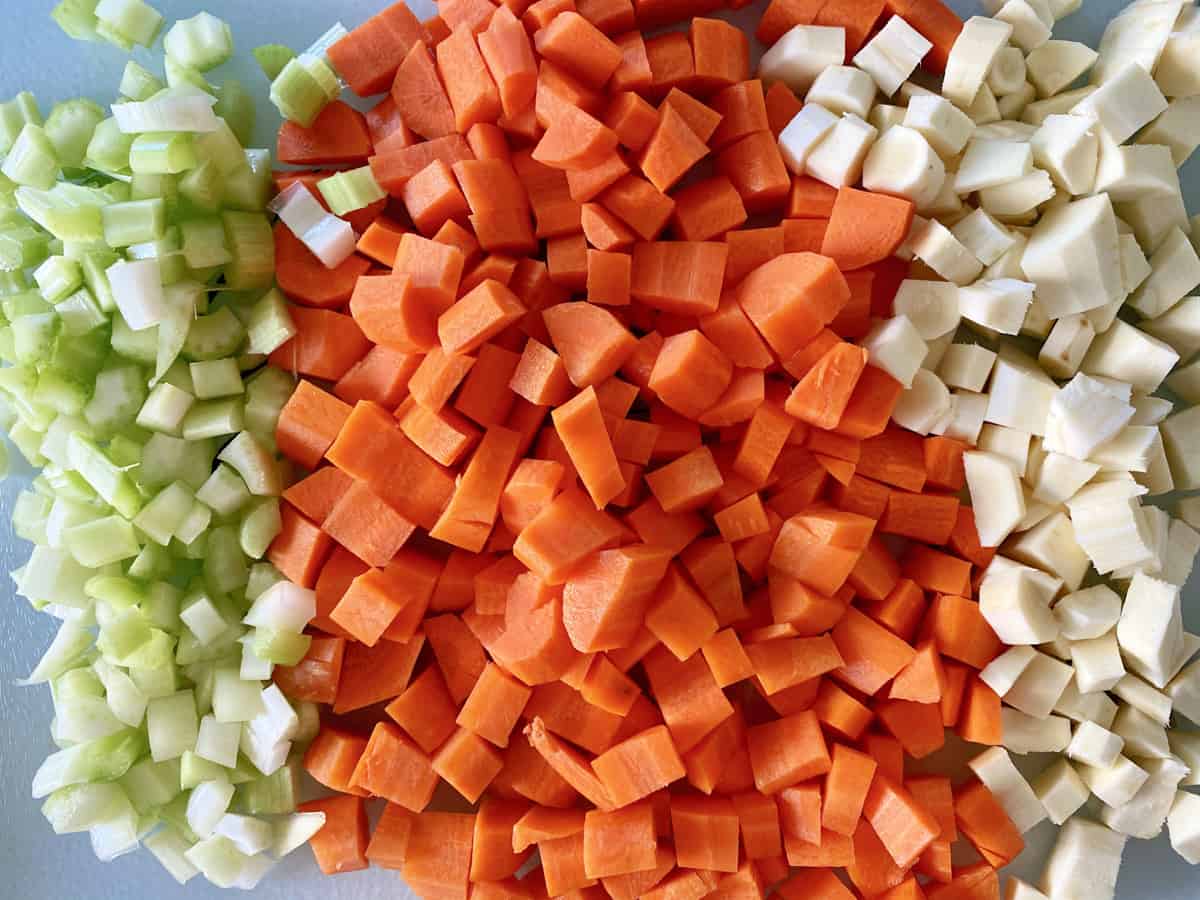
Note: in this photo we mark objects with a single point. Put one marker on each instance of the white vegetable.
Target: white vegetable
(803, 133)
(1030, 30)
(994, 767)
(1144, 698)
(1127, 354)
(1007, 75)
(1180, 327)
(1056, 64)
(838, 158)
(1183, 826)
(218, 741)
(935, 246)
(1133, 171)
(1184, 692)
(996, 496)
(1095, 746)
(1020, 393)
(1115, 785)
(1009, 443)
(284, 606)
(968, 412)
(1018, 200)
(1174, 271)
(1003, 671)
(1144, 738)
(1062, 793)
(931, 306)
(1178, 69)
(1153, 215)
(971, 57)
(1016, 607)
(1129, 451)
(138, 291)
(991, 162)
(1151, 628)
(966, 366)
(1067, 344)
(1067, 148)
(984, 236)
(248, 834)
(1024, 734)
(1124, 102)
(1089, 613)
(1146, 812)
(895, 346)
(892, 54)
(172, 725)
(1084, 862)
(984, 110)
(1181, 434)
(803, 53)
(921, 406)
(1040, 686)
(945, 126)
(1012, 105)
(1137, 36)
(1183, 544)
(998, 305)
(884, 116)
(1072, 257)
(1176, 128)
(1085, 414)
(902, 163)
(1097, 662)
(1050, 545)
(206, 805)
(843, 89)
(1077, 707)
(329, 238)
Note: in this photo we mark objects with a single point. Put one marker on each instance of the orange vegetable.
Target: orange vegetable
(341, 843)
(639, 204)
(592, 342)
(337, 136)
(437, 861)
(791, 298)
(619, 842)
(679, 276)
(917, 726)
(822, 395)
(393, 767)
(332, 757)
(865, 228)
(782, 105)
(757, 171)
(985, 824)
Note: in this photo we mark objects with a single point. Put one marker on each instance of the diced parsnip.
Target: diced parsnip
(1153, 215)
(947, 205)
(1151, 628)
(971, 57)
(1003, 671)
(983, 236)
(884, 116)
(922, 405)
(1127, 354)
(1124, 102)
(1178, 69)
(1174, 271)
(1079, 707)
(1072, 256)
(1157, 478)
(1156, 527)
(1116, 784)
(935, 246)
(1007, 74)
(990, 162)
(1009, 265)
(902, 163)
(1146, 812)
(1062, 793)
(1097, 662)
(1012, 105)
(945, 126)
(967, 366)
(1040, 686)
(1017, 201)
(932, 306)
(996, 496)
(1066, 345)
(1056, 64)
(994, 767)
(803, 133)
(838, 158)
(803, 53)
(985, 110)
(998, 305)
(1183, 544)
(912, 89)
(1151, 410)
(1030, 30)
(1109, 525)
(1084, 862)
(843, 89)
(1009, 443)
(1179, 326)
(892, 54)
(1145, 698)
(1136, 37)
(1129, 172)
(1020, 394)
(1067, 148)
(1095, 746)
(1183, 826)
(969, 410)
(937, 349)
(1024, 734)
(896, 346)
(1017, 608)
(1178, 129)
(1185, 746)
(1129, 451)
(1184, 691)
(1060, 104)
(1050, 545)
(1089, 613)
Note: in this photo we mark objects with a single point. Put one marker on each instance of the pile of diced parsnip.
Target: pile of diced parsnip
(1045, 318)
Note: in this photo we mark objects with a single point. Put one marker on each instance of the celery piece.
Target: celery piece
(109, 148)
(149, 784)
(70, 126)
(15, 282)
(170, 847)
(32, 160)
(204, 241)
(202, 42)
(64, 395)
(161, 152)
(128, 22)
(100, 542)
(225, 566)
(213, 418)
(134, 222)
(119, 394)
(214, 336)
(139, 346)
(22, 110)
(34, 336)
(104, 759)
(139, 83)
(202, 617)
(251, 243)
(181, 76)
(283, 648)
(266, 393)
(162, 516)
(96, 264)
(260, 525)
(30, 512)
(216, 378)
(271, 58)
(124, 452)
(304, 87)
(58, 277)
(203, 187)
(71, 642)
(77, 18)
(235, 105)
(166, 459)
(148, 187)
(80, 313)
(115, 590)
(270, 795)
(270, 325)
(165, 408)
(249, 188)
(224, 492)
(61, 212)
(262, 576)
(110, 482)
(347, 191)
(22, 247)
(172, 725)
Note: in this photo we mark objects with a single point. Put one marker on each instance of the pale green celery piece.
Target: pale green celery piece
(203, 186)
(162, 516)
(270, 795)
(214, 336)
(204, 241)
(153, 654)
(80, 313)
(162, 606)
(304, 87)
(22, 110)
(67, 212)
(115, 590)
(222, 147)
(347, 191)
(236, 106)
(251, 243)
(79, 807)
(124, 451)
(250, 189)
(162, 152)
(34, 336)
(179, 75)
(123, 634)
(23, 247)
(134, 222)
(128, 22)
(150, 784)
(213, 418)
(103, 541)
(180, 310)
(270, 325)
(271, 58)
(258, 468)
(58, 277)
(195, 769)
(26, 303)
(119, 394)
(225, 566)
(95, 264)
(109, 148)
(260, 525)
(216, 378)
(116, 488)
(32, 161)
(139, 346)
(262, 576)
(139, 83)
(81, 682)
(30, 512)
(165, 408)
(283, 648)
(15, 282)
(70, 127)
(65, 395)
(166, 459)
(266, 394)
(202, 42)
(77, 18)
(149, 187)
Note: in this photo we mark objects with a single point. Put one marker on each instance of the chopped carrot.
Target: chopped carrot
(841, 713)
(632, 119)
(639, 204)
(791, 298)
(341, 843)
(592, 342)
(756, 169)
(782, 105)
(979, 720)
(985, 824)
(865, 228)
(437, 861)
(679, 276)
(425, 710)
(782, 15)
(373, 674)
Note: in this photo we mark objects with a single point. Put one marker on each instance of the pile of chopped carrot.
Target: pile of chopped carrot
(647, 577)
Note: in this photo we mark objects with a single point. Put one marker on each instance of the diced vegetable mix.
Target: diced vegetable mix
(701, 532)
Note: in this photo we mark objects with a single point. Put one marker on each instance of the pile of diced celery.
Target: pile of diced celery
(137, 308)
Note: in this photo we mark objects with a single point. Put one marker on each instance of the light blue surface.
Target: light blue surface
(37, 865)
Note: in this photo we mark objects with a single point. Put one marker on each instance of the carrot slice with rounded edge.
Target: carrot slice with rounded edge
(575, 140)
(305, 279)
(420, 97)
(338, 136)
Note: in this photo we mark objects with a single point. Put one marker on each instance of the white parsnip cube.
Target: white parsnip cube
(1127, 354)
(1181, 436)
(1130, 172)
(803, 53)
(1183, 543)
(1097, 662)
(1095, 746)
(1062, 793)
(1086, 413)
(1024, 734)
(990, 162)
(935, 246)
(985, 109)
(1116, 784)
(1036, 512)
(1056, 64)
(1184, 691)
(1040, 686)
(1030, 30)
(1066, 345)
(932, 306)
(972, 55)
(1050, 545)
(884, 117)
(1079, 707)
(1012, 105)
(1152, 216)
(1184, 382)
(896, 346)
(1087, 614)
(1059, 478)
(937, 349)
(1084, 862)
(914, 88)
(1174, 271)
(1003, 671)
(1144, 738)
(1185, 746)
(1183, 826)
(994, 767)
(1150, 410)
(838, 159)
(1179, 326)
(1109, 525)
(1008, 443)
(1017, 201)
(1178, 69)
(969, 410)
(902, 163)
(999, 305)
(1007, 74)
(1151, 628)
(1060, 104)
(1136, 36)
(967, 366)
(1145, 814)
(1130, 451)
(1157, 478)
(843, 89)
(1177, 128)
(1072, 257)
(1009, 265)
(923, 405)
(1124, 103)
(803, 133)
(996, 496)
(1067, 148)
(1155, 524)
(1017, 609)
(893, 54)
(945, 126)
(1135, 268)
(1020, 394)
(1144, 697)
(984, 236)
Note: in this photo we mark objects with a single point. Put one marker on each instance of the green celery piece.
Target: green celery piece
(272, 58)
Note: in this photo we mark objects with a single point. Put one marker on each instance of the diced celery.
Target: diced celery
(222, 863)
(78, 807)
(172, 725)
(122, 633)
(161, 152)
(139, 83)
(70, 643)
(34, 336)
(304, 87)
(266, 394)
(65, 395)
(67, 513)
(18, 112)
(77, 18)
(272, 58)
(253, 667)
(116, 591)
(192, 531)
(149, 784)
(218, 741)
(221, 147)
(102, 541)
(165, 408)
(156, 681)
(347, 191)
(162, 516)
(105, 479)
(119, 394)
(283, 648)
(27, 303)
(262, 576)
(105, 759)
(256, 466)
(225, 566)
(216, 378)
(260, 525)
(127, 22)
(149, 187)
(134, 222)
(84, 719)
(139, 346)
(30, 512)
(162, 605)
(166, 459)
(170, 848)
(181, 76)
(236, 106)
(202, 617)
(32, 160)
(202, 42)
(70, 127)
(251, 243)
(95, 267)
(213, 418)
(109, 148)
(22, 247)
(270, 795)
(80, 313)
(214, 336)
(66, 212)
(204, 241)
(57, 277)
(137, 287)
(203, 186)
(115, 836)
(250, 188)
(270, 324)
(124, 451)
